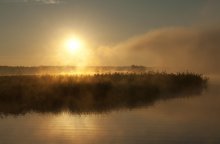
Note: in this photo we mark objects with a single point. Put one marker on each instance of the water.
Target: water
(180, 120)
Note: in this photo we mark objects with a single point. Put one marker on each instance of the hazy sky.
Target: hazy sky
(32, 31)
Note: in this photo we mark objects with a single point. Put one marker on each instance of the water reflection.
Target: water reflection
(89, 103)
(180, 120)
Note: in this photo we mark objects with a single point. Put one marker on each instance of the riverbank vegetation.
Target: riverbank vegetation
(93, 93)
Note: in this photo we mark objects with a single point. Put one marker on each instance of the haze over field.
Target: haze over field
(183, 35)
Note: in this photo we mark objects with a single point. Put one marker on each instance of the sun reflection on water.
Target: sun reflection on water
(72, 127)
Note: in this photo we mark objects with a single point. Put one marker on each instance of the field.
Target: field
(21, 94)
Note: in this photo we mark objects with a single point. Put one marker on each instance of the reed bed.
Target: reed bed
(22, 94)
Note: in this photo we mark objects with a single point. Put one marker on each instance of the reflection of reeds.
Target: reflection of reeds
(95, 93)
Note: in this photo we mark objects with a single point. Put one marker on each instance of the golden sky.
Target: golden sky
(125, 32)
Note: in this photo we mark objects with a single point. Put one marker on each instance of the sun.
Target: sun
(74, 45)
(74, 51)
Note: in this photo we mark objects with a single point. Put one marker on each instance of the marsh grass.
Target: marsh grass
(93, 93)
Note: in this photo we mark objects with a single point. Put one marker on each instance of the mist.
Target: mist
(179, 48)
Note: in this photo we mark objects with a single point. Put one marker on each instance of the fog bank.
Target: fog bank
(180, 48)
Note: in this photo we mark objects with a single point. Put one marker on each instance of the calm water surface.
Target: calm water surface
(182, 120)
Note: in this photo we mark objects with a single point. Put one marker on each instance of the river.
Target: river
(174, 121)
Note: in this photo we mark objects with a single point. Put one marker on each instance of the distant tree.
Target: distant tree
(138, 69)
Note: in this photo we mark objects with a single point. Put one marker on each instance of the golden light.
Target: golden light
(66, 124)
(74, 45)
(74, 50)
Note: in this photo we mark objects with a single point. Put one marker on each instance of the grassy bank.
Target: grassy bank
(93, 93)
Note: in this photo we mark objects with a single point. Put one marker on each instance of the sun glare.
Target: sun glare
(74, 45)
(74, 51)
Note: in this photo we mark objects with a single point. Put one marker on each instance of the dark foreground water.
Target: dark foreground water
(181, 120)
